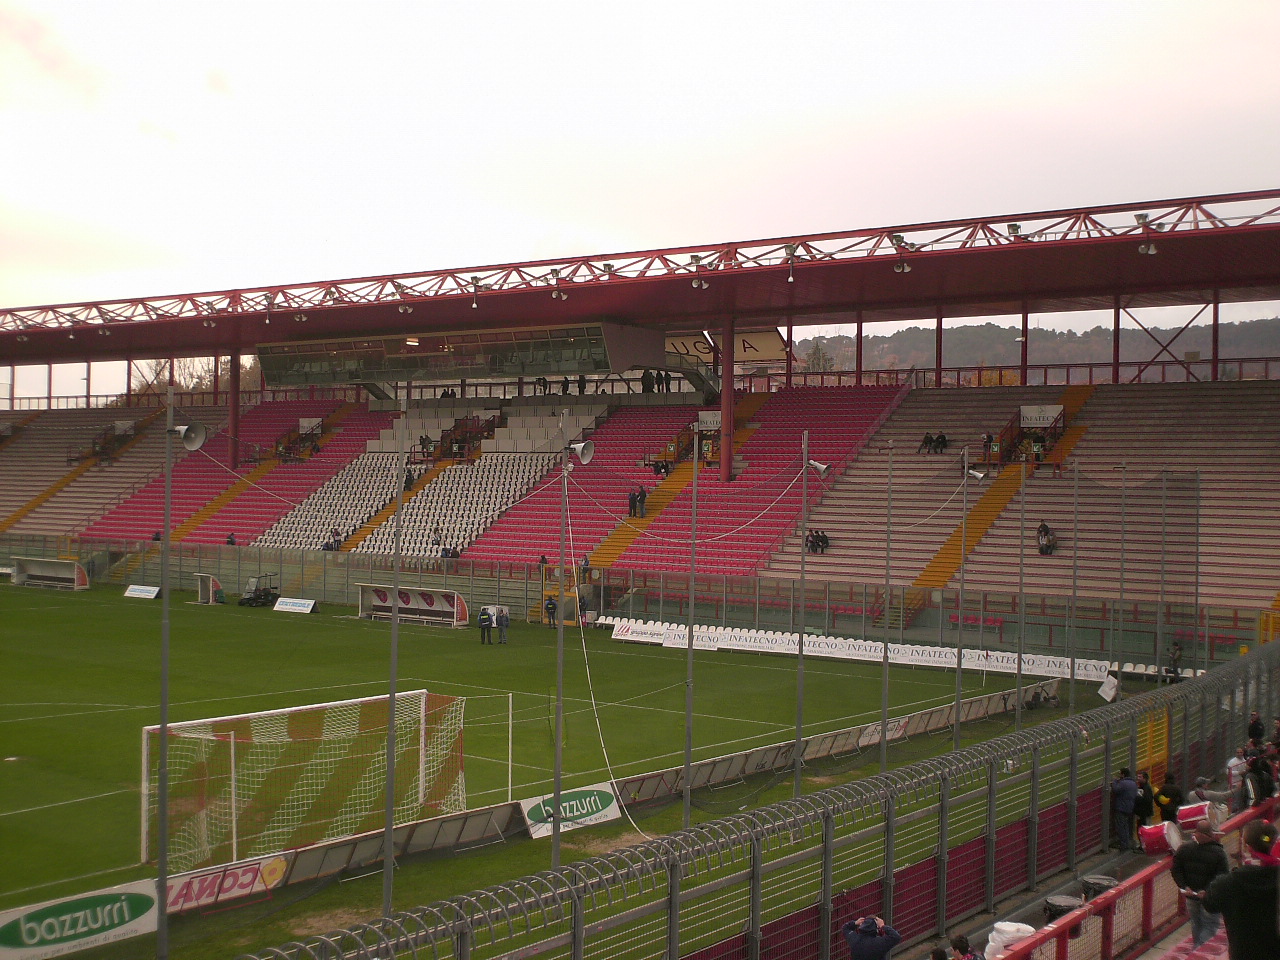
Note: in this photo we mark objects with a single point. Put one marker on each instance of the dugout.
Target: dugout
(417, 605)
(47, 572)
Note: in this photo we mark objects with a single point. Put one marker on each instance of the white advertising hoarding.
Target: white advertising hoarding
(58, 927)
(580, 807)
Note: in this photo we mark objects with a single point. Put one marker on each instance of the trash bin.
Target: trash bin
(1097, 884)
(1057, 907)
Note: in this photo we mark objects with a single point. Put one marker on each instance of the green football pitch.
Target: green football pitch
(81, 677)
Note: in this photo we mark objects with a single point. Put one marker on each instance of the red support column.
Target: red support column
(857, 355)
(1213, 374)
(726, 400)
(1026, 332)
(791, 345)
(233, 414)
(937, 351)
(1115, 341)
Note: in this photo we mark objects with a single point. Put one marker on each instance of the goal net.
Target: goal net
(255, 784)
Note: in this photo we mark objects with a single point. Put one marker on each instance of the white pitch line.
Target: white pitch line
(63, 803)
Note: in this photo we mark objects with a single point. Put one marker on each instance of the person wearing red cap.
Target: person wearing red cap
(1246, 897)
(1195, 866)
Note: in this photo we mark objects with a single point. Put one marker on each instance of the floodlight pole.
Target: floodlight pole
(688, 673)
(388, 826)
(162, 776)
(1022, 590)
(558, 771)
(964, 544)
(798, 752)
(884, 647)
(1075, 582)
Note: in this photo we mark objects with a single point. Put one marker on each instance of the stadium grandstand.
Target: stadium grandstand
(1125, 513)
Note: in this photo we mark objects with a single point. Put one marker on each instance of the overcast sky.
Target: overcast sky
(174, 147)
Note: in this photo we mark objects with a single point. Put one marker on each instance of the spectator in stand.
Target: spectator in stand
(940, 443)
(1195, 866)
(666, 381)
(926, 445)
(1175, 662)
(1253, 793)
(641, 496)
(564, 387)
(1275, 731)
(231, 539)
(823, 541)
(1124, 793)
(646, 381)
(1145, 803)
(1246, 897)
(582, 384)
(960, 949)
(870, 938)
(1235, 769)
(1169, 798)
(1046, 542)
(939, 953)
(1256, 729)
(631, 503)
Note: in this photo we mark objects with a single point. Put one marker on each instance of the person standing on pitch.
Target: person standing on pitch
(550, 606)
(1195, 866)
(485, 622)
(504, 621)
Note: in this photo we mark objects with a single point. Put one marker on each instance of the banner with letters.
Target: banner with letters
(579, 807)
(58, 927)
(1040, 416)
(202, 888)
(848, 648)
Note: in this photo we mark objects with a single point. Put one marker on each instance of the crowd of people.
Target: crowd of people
(1245, 897)
(655, 381)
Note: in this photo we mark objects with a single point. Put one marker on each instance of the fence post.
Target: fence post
(944, 816)
(1133, 744)
(886, 908)
(824, 904)
(754, 908)
(1033, 819)
(989, 881)
(1106, 787)
(462, 944)
(1073, 793)
(579, 928)
(673, 907)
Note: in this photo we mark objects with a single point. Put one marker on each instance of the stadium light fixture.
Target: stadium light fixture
(1141, 218)
(584, 452)
(902, 267)
(1015, 229)
(1148, 249)
(405, 308)
(791, 263)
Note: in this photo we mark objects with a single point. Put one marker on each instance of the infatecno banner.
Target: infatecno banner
(845, 648)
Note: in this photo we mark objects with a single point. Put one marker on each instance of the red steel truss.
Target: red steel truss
(1220, 248)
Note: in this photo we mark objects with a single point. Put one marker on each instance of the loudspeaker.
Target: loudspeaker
(584, 451)
(820, 468)
(193, 435)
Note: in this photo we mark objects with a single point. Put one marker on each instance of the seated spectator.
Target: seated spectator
(1046, 541)
(823, 541)
(940, 443)
(926, 445)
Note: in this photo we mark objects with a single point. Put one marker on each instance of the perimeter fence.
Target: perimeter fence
(926, 847)
(1092, 627)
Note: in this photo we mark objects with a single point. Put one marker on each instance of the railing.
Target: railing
(1140, 910)
(926, 847)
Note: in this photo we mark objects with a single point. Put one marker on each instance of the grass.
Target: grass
(81, 679)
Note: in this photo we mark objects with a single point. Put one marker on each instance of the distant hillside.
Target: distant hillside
(992, 345)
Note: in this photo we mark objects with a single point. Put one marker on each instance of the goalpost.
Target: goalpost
(259, 783)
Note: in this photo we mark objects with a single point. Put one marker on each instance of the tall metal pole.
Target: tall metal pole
(1118, 644)
(388, 825)
(1164, 526)
(1075, 580)
(884, 613)
(1200, 644)
(798, 757)
(688, 671)
(557, 774)
(1022, 590)
(964, 548)
(162, 775)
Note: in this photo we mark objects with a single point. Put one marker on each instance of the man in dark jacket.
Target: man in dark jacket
(1169, 798)
(1124, 793)
(1246, 898)
(1195, 866)
(1145, 803)
(870, 938)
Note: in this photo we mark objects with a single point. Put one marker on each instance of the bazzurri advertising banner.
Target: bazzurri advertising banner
(59, 927)
(848, 648)
(580, 807)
